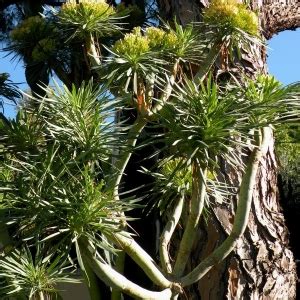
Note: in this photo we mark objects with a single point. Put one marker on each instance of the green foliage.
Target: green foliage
(53, 192)
(88, 17)
(287, 139)
(158, 38)
(133, 45)
(64, 157)
(271, 102)
(44, 49)
(23, 134)
(33, 277)
(181, 179)
(8, 89)
(203, 124)
(80, 119)
(23, 32)
(178, 42)
(147, 55)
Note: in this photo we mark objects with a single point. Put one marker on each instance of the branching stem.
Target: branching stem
(117, 281)
(167, 235)
(190, 232)
(142, 258)
(241, 217)
(121, 164)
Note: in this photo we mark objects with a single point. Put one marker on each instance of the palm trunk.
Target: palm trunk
(262, 265)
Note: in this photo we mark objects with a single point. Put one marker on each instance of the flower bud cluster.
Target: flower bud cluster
(231, 13)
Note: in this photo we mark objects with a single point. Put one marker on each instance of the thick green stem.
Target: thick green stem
(121, 164)
(142, 258)
(167, 235)
(119, 267)
(190, 232)
(241, 217)
(138, 126)
(90, 277)
(117, 281)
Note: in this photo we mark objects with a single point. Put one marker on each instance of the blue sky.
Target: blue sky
(283, 62)
(284, 57)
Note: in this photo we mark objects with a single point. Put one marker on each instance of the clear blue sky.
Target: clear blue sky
(283, 62)
(284, 56)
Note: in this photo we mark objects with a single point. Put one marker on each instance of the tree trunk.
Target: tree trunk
(262, 266)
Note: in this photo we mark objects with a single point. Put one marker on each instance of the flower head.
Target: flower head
(231, 13)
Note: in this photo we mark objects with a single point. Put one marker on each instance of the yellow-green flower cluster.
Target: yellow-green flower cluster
(44, 49)
(86, 1)
(136, 44)
(86, 8)
(231, 13)
(133, 44)
(158, 38)
(30, 28)
(86, 18)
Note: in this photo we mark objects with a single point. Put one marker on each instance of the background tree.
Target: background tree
(236, 266)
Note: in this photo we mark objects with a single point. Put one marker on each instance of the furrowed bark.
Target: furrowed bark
(278, 15)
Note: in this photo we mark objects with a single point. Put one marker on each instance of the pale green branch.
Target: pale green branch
(89, 275)
(142, 258)
(190, 232)
(93, 53)
(121, 164)
(91, 281)
(119, 267)
(167, 235)
(241, 217)
(117, 281)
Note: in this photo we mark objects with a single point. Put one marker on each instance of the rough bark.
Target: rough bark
(262, 266)
(278, 15)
